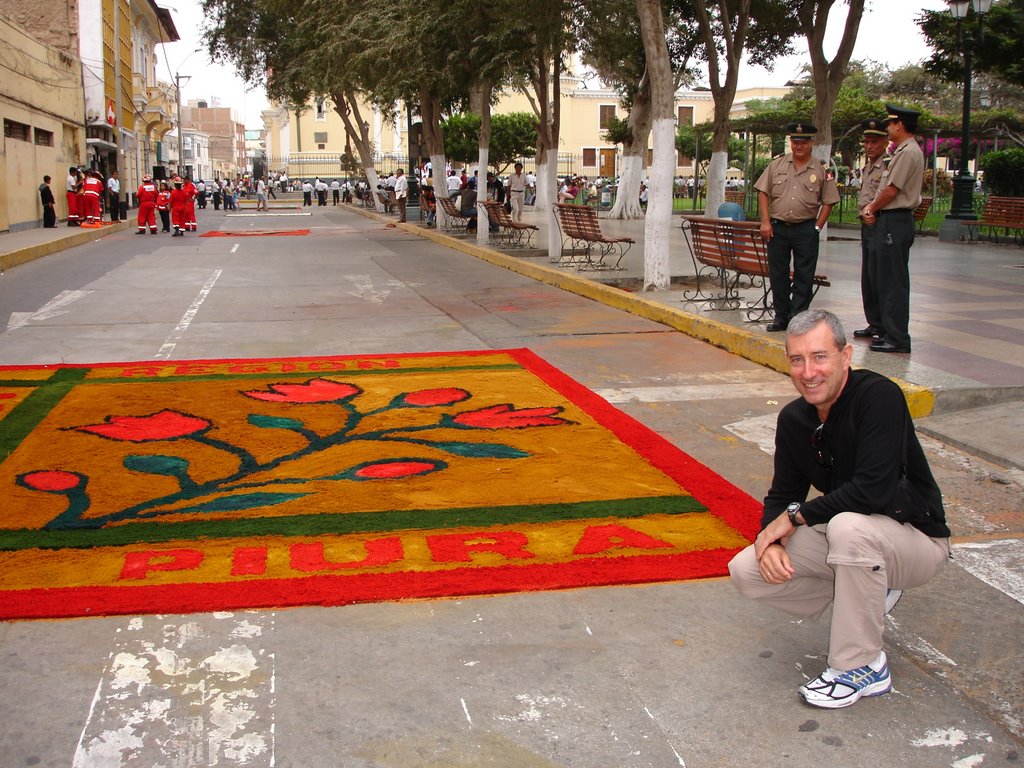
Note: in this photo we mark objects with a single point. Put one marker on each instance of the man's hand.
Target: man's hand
(775, 565)
(769, 548)
(766, 230)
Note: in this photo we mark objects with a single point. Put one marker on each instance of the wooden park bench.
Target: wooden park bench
(737, 196)
(1002, 217)
(921, 212)
(510, 231)
(580, 229)
(387, 199)
(729, 256)
(454, 218)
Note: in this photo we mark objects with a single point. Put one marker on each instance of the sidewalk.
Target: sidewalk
(964, 379)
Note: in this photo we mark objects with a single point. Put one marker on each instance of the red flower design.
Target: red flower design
(51, 480)
(165, 425)
(313, 391)
(506, 416)
(390, 470)
(427, 397)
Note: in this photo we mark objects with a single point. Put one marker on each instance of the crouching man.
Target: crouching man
(877, 528)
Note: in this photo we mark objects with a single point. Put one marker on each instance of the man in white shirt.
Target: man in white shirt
(401, 193)
(307, 194)
(517, 192)
(261, 195)
(454, 184)
(114, 196)
(531, 188)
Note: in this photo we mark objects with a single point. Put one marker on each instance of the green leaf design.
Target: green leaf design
(480, 450)
(274, 422)
(240, 502)
(156, 464)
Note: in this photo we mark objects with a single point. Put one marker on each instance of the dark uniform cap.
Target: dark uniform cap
(801, 130)
(906, 116)
(873, 126)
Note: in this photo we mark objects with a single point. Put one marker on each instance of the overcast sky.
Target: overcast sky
(888, 35)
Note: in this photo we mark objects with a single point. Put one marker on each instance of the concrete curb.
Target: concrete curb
(38, 250)
(752, 346)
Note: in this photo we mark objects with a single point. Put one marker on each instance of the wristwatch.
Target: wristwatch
(817, 228)
(791, 511)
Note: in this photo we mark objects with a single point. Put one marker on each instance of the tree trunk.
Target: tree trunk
(347, 106)
(480, 103)
(545, 97)
(659, 200)
(433, 133)
(732, 39)
(634, 150)
(827, 76)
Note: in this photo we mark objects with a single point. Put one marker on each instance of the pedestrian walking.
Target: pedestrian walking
(892, 212)
(795, 195)
(517, 191)
(877, 528)
(190, 204)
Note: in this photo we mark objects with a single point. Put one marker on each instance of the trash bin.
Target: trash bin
(731, 211)
(606, 198)
(123, 213)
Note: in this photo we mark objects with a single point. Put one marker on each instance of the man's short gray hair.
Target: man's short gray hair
(810, 319)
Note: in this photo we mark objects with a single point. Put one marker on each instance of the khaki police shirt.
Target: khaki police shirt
(796, 195)
(870, 181)
(906, 173)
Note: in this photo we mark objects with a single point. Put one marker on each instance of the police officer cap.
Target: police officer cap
(873, 126)
(801, 131)
(906, 116)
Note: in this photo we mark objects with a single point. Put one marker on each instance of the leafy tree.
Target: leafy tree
(1004, 172)
(1001, 52)
(513, 135)
(461, 137)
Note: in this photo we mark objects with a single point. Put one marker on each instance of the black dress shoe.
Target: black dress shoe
(885, 346)
(868, 333)
(777, 325)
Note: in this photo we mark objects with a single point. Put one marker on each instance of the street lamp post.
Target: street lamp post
(962, 206)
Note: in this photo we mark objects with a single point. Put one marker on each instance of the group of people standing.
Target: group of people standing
(175, 203)
(796, 193)
(84, 191)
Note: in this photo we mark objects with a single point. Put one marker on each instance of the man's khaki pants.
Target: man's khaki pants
(516, 199)
(848, 562)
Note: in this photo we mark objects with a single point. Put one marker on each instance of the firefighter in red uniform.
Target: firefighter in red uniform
(190, 205)
(163, 205)
(92, 190)
(147, 205)
(71, 186)
(179, 208)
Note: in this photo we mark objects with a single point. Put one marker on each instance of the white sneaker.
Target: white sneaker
(835, 689)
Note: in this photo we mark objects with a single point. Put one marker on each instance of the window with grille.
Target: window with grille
(15, 130)
(44, 138)
(686, 115)
(589, 157)
(605, 116)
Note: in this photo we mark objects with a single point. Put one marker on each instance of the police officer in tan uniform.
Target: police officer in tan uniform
(795, 195)
(892, 213)
(876, 141)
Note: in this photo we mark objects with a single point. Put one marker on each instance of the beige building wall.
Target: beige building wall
(43, 109)
(311, 143)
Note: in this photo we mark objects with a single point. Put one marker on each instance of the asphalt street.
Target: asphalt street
(676, 674)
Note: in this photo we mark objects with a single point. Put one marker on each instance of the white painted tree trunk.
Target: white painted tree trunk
(482, 222)
(440, 188)
(545, 198)
(715, 183)
(372, 179)
(545, 184)
(657, 225)
(627, 199)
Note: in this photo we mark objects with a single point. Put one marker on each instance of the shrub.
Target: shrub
(943, 183)
(1004, 172)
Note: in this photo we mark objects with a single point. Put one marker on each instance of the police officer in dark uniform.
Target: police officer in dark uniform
(876, 141)
(892, 214)
(795, 195)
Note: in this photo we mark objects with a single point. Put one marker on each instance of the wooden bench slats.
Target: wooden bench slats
(725, 251)
(1002, 213)
(454, 215)
(581, 229)
(518, 234)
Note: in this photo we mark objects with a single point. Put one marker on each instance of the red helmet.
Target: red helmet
(176, 179)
